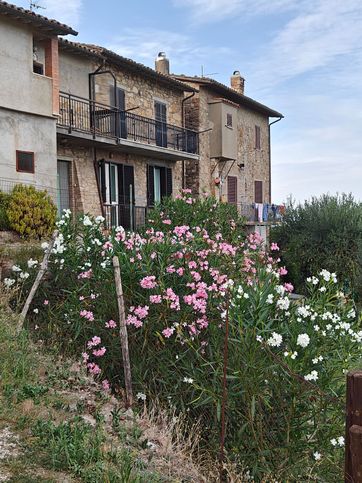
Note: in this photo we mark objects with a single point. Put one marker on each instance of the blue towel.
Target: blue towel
(265, 212)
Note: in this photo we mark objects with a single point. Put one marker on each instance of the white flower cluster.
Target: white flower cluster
(141, 396)
(59, 246)
(275, 340)
(283, 303)
(313, 280)
(317, 359)
(338, 441)
(188, 380)
(313, 376)
(303, 340)
(327, 276)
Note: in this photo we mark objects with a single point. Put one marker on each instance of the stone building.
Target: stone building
(107, 135)
(235, 148)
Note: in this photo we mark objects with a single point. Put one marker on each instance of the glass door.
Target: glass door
(63, 191)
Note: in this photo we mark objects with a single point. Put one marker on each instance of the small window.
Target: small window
(258, 191)
(229, 120)
(38, 68)
(257, 137)
(25, 161)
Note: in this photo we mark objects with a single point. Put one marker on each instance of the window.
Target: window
(159, 183)
(38, 68)
(257, 137)
(232, 190)
(229, 120)
(25, 161)
(258, 191)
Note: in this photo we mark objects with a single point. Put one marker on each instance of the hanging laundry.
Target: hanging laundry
(265, 212)
(259, 211)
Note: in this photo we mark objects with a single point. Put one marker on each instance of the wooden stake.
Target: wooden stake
(123, 333)
(34, 288)
(353, 443)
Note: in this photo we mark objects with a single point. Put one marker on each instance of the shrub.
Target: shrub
(4, 203)
(324, 232)
(287, 361)
(31, 213)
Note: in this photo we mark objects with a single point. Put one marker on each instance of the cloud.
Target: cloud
(315, 38)
(203, 11)
(144, 44)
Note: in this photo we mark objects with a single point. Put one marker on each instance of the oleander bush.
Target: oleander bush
(183, 286)
(31, 213)
(325, 232)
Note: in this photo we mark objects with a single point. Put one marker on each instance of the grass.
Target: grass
(66, 430)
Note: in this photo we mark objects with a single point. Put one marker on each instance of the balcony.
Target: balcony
(129, 132)
(270, 215)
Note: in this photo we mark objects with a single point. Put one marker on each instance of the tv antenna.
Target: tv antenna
(207, 75)
(34, 5)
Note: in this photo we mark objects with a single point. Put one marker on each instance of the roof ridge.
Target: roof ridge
(9, 8)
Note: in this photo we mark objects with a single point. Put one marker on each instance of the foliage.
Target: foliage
(324, 232)
(287, 360)
(4, 203)
(31, 213)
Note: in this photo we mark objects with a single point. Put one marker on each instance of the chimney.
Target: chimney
(162, 64)
(237, 82)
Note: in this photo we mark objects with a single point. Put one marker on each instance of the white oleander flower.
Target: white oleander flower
(303, 340)
(275, 340)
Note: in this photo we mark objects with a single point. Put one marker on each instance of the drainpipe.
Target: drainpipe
(96, 172)
(183, 125)
(279, 119)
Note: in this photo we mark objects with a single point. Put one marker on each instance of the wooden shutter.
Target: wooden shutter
(257, 137)
(150, 186)
(258, 191)
(102, 171)
(168, 181)
(232, 189)
(128, 181)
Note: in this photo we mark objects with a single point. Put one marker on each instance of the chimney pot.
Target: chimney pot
(162, 64)
(237, 82)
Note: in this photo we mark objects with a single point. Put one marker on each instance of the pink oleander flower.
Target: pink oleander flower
(180, 271)
(274, 247)
(170, 269)
(192, 264)
(282, 271)
(141, 312)
(46, 302)
(87, 314)
(94, 341)
(85, 356)
(155, 299)
(196, 276)
(133, 320)
(168, 332)
(105, 385)
(288, 287)
(153, 255)
(86, 274)
(81, 298)
(166, 222)
(181, 230)
(108, 245)
(111, 324)
(94, 368)
(148, 282)
(99, 352)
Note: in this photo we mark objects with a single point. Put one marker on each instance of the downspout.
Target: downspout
(280, 118)
(183, 125)
(96, 172)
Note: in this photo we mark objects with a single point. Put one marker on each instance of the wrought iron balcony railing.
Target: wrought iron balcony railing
(83, 115)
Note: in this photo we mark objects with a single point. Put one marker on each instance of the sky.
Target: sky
(300, 57)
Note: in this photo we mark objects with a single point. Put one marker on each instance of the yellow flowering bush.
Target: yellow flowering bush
(31, 213)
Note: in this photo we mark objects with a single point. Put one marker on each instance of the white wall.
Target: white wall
(20, 88)
(24, 132)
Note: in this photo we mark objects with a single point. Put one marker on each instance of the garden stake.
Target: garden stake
(34, 288)
(224, 397)
(123, 333)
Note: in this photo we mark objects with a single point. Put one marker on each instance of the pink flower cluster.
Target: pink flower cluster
(148, 282)
(87, 274)
(87, 314)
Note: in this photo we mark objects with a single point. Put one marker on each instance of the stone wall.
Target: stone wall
(200, 176)
(140, 93)
(83, 182)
